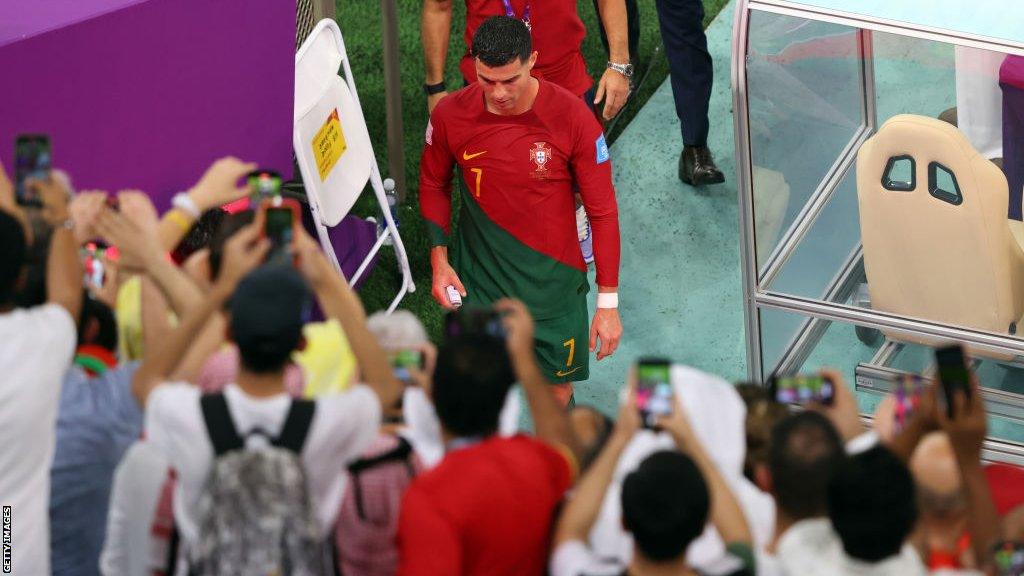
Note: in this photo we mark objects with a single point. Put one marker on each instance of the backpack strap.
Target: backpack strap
(296, 426)
(219, 424)
(399, 453)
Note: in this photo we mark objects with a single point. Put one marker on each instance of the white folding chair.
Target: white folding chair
(333, 148)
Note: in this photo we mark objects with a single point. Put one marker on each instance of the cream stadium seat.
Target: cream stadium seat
(937, 242)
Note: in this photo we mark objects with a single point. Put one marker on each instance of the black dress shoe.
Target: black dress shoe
(697, 167)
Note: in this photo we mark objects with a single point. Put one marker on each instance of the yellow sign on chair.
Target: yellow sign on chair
(328, 145)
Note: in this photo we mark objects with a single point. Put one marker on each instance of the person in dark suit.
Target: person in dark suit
(692, 74)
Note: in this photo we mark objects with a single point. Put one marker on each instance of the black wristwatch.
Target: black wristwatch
(432, 89)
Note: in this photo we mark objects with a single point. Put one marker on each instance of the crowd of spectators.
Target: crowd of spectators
(207, 409)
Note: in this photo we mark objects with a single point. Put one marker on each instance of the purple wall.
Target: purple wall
(147, 94)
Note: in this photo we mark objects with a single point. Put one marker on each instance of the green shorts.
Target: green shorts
(563, 343)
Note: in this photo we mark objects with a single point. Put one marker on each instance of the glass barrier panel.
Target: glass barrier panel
(805, 106)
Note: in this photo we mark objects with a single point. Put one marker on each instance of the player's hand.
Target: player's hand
(607, 327)
(444, 275)
(433, 99)
(614, 90)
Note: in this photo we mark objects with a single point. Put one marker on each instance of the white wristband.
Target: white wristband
(607, 299)
(186, 204)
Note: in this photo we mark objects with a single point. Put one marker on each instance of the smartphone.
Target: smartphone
(473, 322)
(282, 214)
(802, 389)
(263, 184)
(907, 394)
(403, 360)
(954, 374)
(654, 394)
(32, 159)
(1008, 558)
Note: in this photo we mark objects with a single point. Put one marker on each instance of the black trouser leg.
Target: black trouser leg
(686, 47)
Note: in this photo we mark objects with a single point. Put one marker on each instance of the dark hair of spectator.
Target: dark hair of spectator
(665, 504)
(268, 355)
(501, 40)
(871, 504)
(472, 379)
(99, 315)
(805, 449)
(13, 251)
(762, 416)
(229, 224)
(199, 236)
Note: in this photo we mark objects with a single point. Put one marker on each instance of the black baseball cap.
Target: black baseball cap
(268, 310)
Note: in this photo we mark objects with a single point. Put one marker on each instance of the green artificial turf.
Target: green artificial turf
(360, 23)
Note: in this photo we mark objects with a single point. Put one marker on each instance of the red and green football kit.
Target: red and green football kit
(516, 233)
(557, 33)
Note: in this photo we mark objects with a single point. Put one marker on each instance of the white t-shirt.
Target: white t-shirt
(342, 428)
(38, 346)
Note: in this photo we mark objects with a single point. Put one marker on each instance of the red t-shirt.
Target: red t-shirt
(485, 510)
(557, 36)
(520, 173)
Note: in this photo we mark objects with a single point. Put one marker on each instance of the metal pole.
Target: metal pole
(393, 93)
(325, 9)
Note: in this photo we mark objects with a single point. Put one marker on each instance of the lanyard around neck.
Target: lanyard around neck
(511, 13)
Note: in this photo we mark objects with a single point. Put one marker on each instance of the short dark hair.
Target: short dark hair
(871, 504)
(13, 249)
(472, 379)
(96, 311)
(805, 449)
(665, 504)
(500, 40)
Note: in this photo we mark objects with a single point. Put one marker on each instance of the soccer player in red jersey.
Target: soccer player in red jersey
(557, 33)
(522, 144)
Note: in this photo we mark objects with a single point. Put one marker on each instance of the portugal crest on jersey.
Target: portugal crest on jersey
(540, 154)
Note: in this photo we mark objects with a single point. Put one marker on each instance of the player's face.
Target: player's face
(504, 86)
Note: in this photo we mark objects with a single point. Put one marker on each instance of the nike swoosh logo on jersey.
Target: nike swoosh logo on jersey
(561, 374)
(467, 156)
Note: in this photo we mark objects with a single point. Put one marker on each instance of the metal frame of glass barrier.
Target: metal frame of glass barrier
(819, 313)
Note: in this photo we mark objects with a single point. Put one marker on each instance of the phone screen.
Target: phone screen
(654, 395)
(32, 159)
(1008, 557)
(403, 360)
(803, 389)
(264, 184)
(92, 264)
(954, 374)
(280, 227)
(474, 321)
